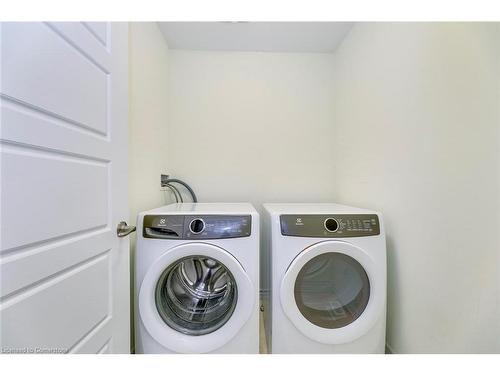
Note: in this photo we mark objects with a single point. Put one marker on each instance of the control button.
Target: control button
(331, 225)
(196, 226)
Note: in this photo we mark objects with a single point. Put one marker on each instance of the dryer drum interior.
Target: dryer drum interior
(196, 295)
(332, 290)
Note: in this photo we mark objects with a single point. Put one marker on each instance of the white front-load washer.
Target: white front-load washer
(327, 279)
(197, 279)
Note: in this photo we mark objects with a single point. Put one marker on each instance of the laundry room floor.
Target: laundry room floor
(262, 335)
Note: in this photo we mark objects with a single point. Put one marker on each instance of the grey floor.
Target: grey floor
(262, 336)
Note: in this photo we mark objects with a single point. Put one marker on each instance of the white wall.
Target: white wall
(252, 126)
(416, 120)
(148, 130)
(149, 135)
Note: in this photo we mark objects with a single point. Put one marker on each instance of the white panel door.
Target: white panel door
(64, 283)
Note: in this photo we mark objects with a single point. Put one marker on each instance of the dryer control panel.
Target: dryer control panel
(204, 227)
(330, 226)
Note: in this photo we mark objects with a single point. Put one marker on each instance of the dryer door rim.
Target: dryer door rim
(180, 342)
(372, 312)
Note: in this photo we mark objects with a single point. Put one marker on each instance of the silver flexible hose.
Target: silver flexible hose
(175, 180)
(169, 187)
(176, 193)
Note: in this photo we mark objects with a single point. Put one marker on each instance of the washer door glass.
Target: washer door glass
(196, 295)
(332, 290)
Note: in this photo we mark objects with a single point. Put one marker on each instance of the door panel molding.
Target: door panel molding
(44, 70)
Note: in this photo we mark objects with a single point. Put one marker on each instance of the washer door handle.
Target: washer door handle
(123, 229)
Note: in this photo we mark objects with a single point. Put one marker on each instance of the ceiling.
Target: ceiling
(255, 36)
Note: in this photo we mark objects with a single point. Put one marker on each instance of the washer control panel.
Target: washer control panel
(204, 227)
(330, 226)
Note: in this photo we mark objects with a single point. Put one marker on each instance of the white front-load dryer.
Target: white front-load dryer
(197, 279)
(326, 279)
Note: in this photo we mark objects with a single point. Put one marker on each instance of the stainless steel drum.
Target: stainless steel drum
(196, 295)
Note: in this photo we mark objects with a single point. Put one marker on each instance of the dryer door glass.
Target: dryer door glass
(332, 290)
(196, 295)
